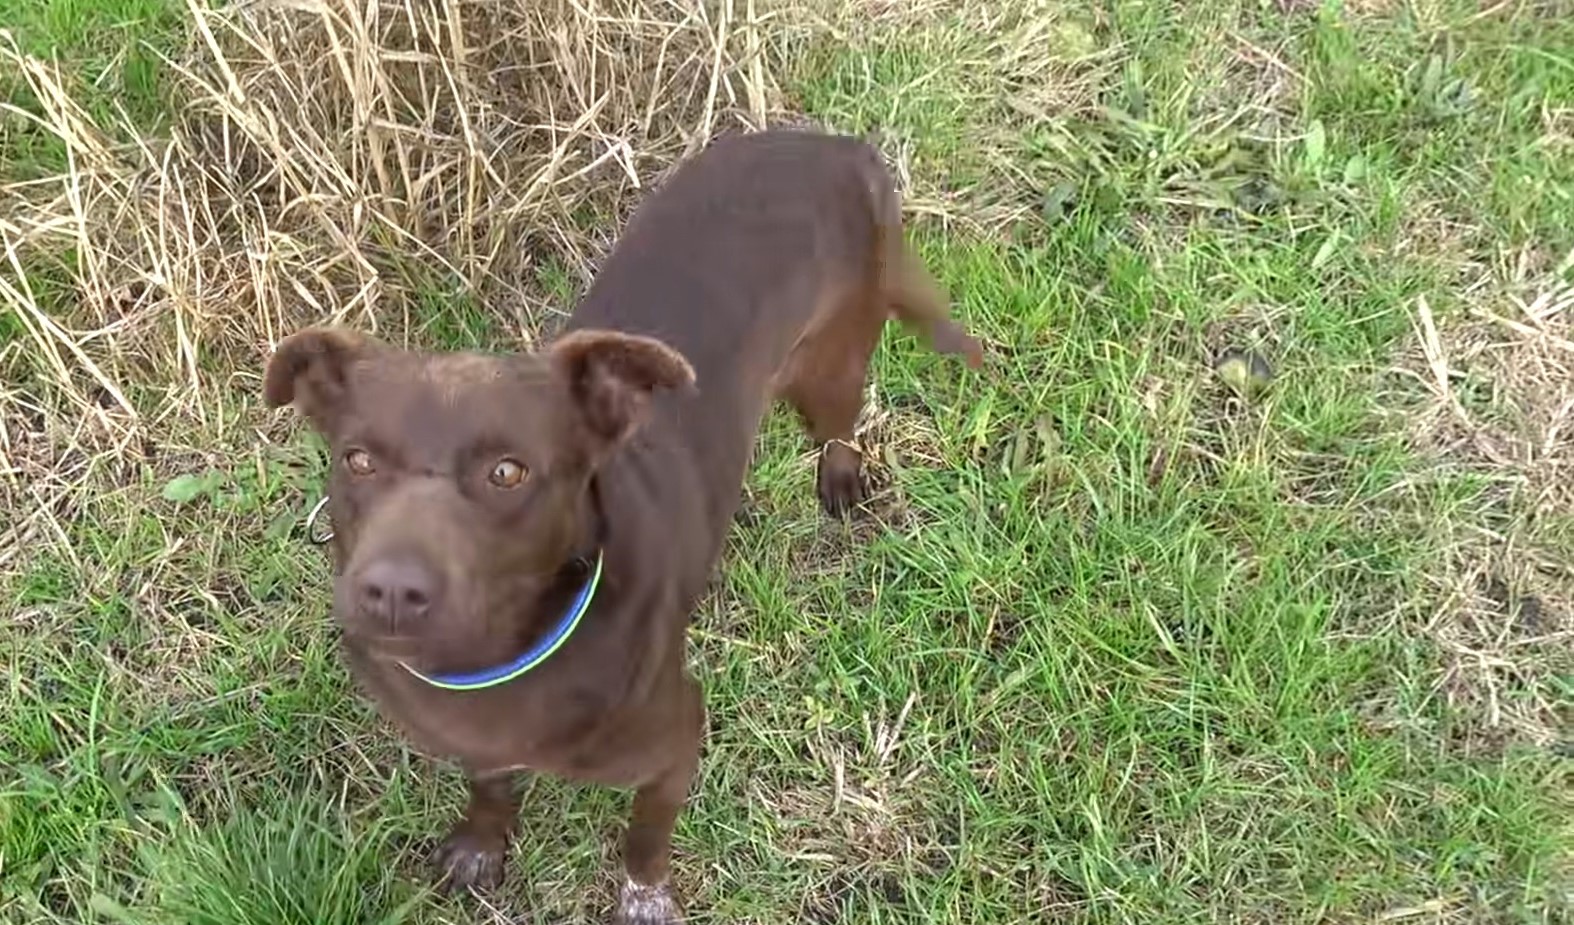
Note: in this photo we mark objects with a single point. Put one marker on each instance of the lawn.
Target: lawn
(1113, 642)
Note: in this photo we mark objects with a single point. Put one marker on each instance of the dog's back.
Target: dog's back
(771, 261)
(756, 224)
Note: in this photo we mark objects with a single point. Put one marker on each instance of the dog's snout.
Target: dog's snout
(397, 590)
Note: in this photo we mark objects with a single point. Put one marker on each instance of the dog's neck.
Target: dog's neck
(544, 646)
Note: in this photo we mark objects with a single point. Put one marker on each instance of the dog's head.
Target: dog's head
(461, 483)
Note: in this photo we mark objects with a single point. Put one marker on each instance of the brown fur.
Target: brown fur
(763, 269)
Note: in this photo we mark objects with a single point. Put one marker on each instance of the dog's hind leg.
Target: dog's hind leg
(829, 369)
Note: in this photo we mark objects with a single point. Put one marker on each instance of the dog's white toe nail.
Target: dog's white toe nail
(647, 905)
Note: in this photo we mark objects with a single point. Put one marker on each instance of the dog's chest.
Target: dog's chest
(489, 729)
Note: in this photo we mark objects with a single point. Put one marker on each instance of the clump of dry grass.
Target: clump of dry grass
(326, 161)
(1501, 383)
(326, 154)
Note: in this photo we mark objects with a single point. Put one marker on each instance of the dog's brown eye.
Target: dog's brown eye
(359, 462)
(507, 473)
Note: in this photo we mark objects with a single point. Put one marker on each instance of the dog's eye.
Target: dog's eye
(359, 462)
(508, 473)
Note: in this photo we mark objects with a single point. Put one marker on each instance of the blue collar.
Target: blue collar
(531, 657)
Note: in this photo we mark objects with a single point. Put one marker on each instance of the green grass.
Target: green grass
(111, 46)
(1115, 647)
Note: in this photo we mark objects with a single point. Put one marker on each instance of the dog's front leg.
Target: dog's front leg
(647, 897)
(472, 855)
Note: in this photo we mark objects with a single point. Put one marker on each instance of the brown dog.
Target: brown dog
(519, 540)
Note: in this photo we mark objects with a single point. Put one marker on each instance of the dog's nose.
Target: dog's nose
(397, 590)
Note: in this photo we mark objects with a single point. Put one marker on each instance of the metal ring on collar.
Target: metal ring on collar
(311, 524)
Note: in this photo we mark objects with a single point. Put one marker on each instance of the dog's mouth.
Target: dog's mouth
(385, 647)
(422, 653)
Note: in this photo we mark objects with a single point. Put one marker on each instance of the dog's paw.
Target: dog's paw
(469, 861)
(647, 905)
(841, 479)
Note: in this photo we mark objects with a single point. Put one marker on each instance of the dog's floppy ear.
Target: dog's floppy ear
(309, 370)
(611, 376)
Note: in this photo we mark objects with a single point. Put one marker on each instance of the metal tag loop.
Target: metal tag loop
(311, 524)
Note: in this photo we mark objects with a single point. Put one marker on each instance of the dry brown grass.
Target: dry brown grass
(1501, 384)
(321, 149)
(326, 161)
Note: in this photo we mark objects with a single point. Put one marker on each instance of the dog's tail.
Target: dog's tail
(912, 294)
(917, 300)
